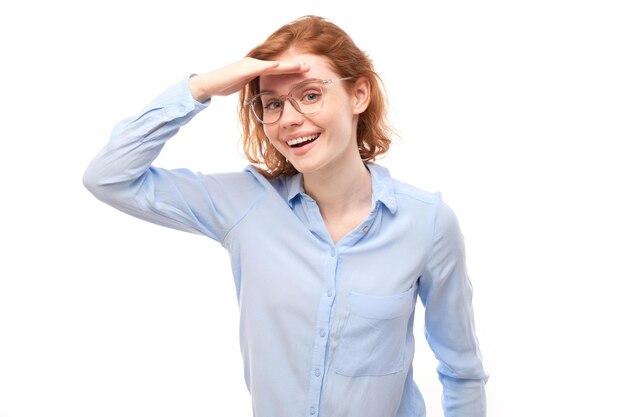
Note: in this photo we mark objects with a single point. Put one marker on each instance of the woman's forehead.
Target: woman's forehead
(320, 68)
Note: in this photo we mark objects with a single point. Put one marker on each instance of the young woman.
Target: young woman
(329, 253)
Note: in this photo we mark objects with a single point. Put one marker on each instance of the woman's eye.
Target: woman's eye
(311, 96)
(273, 105)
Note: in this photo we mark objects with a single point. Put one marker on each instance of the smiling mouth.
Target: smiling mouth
(298, 142)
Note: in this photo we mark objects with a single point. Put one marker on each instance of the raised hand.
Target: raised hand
(231, 78)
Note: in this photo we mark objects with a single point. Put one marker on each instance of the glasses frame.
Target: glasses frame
(293, 101)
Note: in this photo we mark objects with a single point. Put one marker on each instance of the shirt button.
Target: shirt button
(366, 229)
(329, 292)
(322, 332)
(312, 410)
(318, 372)
(333, 252)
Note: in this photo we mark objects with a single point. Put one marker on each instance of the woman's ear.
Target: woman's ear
(361, 95)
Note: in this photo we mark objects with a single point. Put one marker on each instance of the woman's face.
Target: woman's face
(328, 137)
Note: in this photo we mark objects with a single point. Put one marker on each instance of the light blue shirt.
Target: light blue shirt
(325, 329)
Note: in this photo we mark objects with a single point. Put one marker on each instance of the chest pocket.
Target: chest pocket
(373, 341)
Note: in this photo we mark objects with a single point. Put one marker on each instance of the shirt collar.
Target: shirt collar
(295, 187)
(382, 187)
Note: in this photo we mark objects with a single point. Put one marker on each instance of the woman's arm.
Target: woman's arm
(122, 174)
(446, 292)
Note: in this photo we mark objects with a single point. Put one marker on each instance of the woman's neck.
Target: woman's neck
(341, 188)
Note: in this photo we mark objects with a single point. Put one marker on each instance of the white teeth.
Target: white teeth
(295, 141)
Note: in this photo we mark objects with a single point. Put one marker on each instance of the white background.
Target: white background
(515, 111)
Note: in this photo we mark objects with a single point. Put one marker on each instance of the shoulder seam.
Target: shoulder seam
(433, 201)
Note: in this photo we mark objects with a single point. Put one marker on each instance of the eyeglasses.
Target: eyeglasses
(306, 97)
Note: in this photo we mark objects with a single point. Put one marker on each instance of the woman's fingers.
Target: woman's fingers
(286, 67)
(256, 67)
(231, 78)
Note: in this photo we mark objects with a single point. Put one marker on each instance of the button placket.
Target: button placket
(324, 314)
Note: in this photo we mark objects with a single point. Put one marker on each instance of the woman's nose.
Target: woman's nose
(290, 115)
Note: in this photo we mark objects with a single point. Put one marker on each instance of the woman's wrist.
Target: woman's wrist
(197, 86)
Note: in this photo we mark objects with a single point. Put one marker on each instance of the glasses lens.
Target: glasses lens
(271, 107)
(309, 96)
(306, 98)
(266, 108)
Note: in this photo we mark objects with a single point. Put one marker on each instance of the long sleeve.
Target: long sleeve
(122, 176)
(446, 292)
